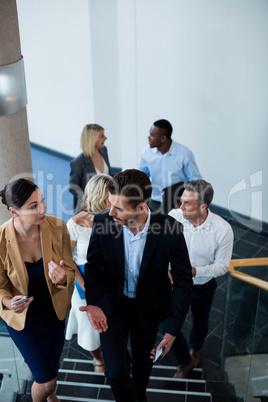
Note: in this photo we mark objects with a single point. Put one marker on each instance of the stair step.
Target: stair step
(169, 371)
(81, 376)
(74, 391)
(77, 381)
(157, 370)
(155, 381)
(71, 398)
(177, 384)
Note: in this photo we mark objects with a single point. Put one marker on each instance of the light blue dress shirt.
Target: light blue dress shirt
(176, 165)
(133, 249)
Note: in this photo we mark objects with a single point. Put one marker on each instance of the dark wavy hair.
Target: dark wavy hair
(134, 184)
(17, 192)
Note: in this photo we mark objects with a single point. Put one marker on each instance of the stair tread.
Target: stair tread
(157, 370)
(93, 374)
(88, 385)
(74, 393)
(78, 381)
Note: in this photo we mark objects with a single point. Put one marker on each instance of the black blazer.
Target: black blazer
(104, 271)
(82, 169)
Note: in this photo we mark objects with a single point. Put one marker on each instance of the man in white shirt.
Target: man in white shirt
(209, 240)
(166, 162)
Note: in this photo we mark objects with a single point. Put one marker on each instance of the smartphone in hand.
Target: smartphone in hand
(21, 300)
(158, 353)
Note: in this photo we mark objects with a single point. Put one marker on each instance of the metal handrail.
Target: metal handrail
(248, 262)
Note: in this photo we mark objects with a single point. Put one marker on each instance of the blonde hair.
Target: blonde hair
(96, 193)
(89, 137)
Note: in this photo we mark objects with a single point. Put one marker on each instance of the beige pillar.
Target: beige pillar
(15, 154)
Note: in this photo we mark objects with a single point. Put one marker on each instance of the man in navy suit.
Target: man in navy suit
(128, 291)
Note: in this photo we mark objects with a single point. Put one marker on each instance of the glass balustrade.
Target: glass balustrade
(14, 373)
(245, 339)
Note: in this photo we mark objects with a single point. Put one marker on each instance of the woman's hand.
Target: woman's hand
(56, 273)
(17, 308)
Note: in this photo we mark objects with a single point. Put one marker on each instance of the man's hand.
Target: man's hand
(166, 344)
(96, 317)
(193, 271)
(170, 277)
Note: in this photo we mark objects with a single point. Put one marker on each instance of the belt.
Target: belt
(203, 284)
(128, 299)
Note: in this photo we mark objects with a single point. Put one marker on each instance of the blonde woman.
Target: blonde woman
(93, 160)
(80, 227)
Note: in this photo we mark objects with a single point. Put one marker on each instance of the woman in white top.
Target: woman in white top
(95, 199)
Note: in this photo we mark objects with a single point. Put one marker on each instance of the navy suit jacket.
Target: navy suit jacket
(82, 169)
(104, 271)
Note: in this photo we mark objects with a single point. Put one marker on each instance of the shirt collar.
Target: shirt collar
(171, 150)
(144, 230)
(206, 225)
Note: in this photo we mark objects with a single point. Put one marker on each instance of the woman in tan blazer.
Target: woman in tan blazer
(36, 262)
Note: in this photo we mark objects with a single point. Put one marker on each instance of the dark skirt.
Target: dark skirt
(41, 341)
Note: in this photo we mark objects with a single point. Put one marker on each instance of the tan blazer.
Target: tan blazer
(14, 280)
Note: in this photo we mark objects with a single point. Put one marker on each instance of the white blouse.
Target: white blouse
(105, 170)
(81, 235)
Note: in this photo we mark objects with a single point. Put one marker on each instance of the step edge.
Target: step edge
(78, 399)
(87, 385)
(156, 366)
(83, 372)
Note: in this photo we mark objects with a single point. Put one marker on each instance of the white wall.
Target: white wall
(202, 64)
(56, 46)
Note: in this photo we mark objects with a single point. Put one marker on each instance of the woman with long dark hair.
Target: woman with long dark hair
(36, 283)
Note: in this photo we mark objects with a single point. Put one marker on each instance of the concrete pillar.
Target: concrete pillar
(15, 153)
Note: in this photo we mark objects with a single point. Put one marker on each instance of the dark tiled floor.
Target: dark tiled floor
(247, 244)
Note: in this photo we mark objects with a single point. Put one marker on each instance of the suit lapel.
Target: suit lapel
(46, 245)
(119, 245)
(13, 250)
(89, 163)
(150, 245)
(103, 153)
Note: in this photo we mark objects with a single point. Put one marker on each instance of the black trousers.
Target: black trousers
(201, 302)
(127, 372)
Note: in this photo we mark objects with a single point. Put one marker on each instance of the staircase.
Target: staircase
(13, 380)
(14, 373)
(77, 381)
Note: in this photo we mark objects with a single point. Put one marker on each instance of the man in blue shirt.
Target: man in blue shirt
(128, 291)
(166, 162)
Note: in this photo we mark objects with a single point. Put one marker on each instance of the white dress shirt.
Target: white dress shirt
(209, 245)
